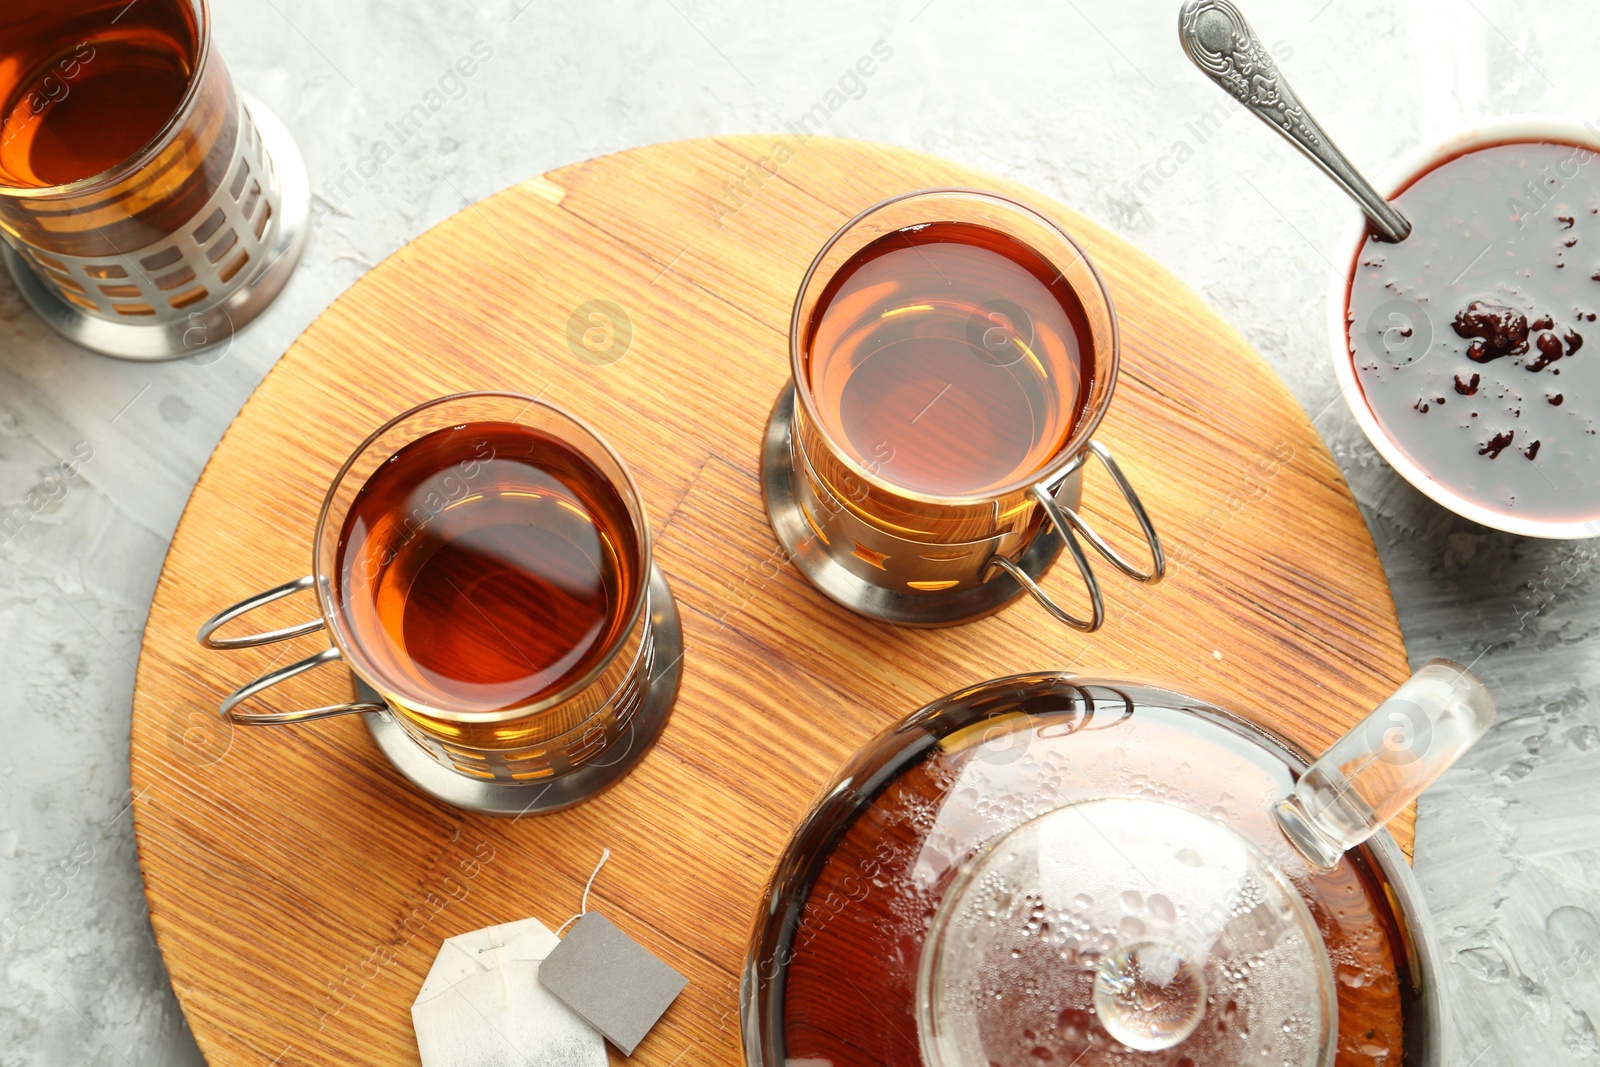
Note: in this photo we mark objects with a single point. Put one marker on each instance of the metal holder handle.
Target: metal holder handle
(1158, 558)
(1096, 601)
(244, 607)
(1069, 523)
(272, 678)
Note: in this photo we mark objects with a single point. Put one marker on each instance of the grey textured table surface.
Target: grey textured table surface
(1086, 100)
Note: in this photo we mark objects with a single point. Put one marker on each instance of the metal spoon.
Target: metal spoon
(1222, 44)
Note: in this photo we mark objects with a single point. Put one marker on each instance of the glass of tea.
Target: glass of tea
(482, 564)
(149, 207)
(953, 352)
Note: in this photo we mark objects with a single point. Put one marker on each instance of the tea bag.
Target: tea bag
(482, 1005)
(611, 980)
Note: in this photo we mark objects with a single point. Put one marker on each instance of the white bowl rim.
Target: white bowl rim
(1503, 130)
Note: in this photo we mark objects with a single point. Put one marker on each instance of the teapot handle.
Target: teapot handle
(1373, 772)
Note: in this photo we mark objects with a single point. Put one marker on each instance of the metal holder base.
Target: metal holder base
(838, 584)
(544, 795)
(202, 330)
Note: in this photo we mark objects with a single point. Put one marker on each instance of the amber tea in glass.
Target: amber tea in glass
(485, 566)
(86, 86)
(150, 207)
(89, 86)
(950, 357)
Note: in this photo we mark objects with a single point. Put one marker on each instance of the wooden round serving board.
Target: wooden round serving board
(300, 888)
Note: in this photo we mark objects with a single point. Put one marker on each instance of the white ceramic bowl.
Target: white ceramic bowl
(1512, 128)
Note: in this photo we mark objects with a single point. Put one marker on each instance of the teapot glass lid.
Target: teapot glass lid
(1173, 933)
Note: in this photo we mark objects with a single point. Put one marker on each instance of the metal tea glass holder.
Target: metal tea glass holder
(171, 251)
(549, 753)
(914, 560)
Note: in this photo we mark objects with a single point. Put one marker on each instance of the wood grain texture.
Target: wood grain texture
(299, 888)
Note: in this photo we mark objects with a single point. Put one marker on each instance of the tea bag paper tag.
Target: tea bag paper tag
(611, 980)
(482, 1005)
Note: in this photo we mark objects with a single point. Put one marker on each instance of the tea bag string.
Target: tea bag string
(605, 854)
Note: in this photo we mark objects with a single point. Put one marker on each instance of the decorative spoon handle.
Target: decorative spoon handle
(1222, 44)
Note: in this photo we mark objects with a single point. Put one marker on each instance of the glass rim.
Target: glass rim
(635, 609)
(119, 171)
(1082, 430)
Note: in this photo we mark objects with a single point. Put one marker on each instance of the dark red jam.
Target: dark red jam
(1488, 303)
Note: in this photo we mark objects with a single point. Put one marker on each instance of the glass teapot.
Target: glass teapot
(1052, 869)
